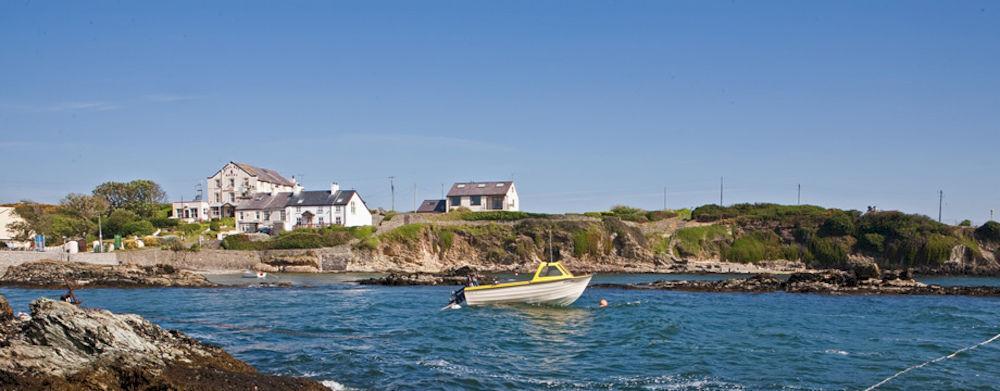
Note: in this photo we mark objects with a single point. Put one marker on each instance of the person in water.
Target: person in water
(603, 303)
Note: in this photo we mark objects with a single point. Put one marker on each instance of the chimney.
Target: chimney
(334, 188)
(296, 189)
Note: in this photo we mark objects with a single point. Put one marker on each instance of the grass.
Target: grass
(628, 213)
(755, 247)
(498, 216)
(407, 234)
(694, 241)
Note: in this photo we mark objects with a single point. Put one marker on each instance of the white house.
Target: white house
(190, 211)
(262, 210)
(239, 181)
(326, 207)
(483, 196)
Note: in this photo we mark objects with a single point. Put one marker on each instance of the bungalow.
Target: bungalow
(483, 196)
(190, 211)
(432, 206)
(262, 210)
(238, 181)
(322, 208)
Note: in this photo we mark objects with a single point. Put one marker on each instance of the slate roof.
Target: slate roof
(264, 201)
(320, 198)
(479, 188)
(263, 174)
(432, 206)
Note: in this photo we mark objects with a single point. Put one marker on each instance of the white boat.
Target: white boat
(552, 284)
(251, 274)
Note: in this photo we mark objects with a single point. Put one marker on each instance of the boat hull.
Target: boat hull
(555, 293)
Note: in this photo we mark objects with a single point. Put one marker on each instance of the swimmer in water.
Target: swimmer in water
(603, 303)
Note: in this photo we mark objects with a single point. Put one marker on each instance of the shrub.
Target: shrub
(755, 247)
(872, 242)
(150, 241)
(837, 225)
(407, 233)
(299, 239)
(693, 241)
(965, 223)
(445, 238)
(588, 241)
(188, 229)
(937, 249)
(141, 228)
(241, 242)
(369, 243)
(828, 252)
(172, 244)
(989, 232)
(788, 215)
(389, 215)
(164, 222)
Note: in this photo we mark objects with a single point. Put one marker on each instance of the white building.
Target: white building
(483, 196)
(321, 208)
(239, 181)
(8, 216)
(263, 210)
(190, 211)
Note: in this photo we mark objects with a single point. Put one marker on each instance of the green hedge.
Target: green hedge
(989, 232)
(499, 215)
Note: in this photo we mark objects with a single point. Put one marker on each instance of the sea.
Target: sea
(351, 336)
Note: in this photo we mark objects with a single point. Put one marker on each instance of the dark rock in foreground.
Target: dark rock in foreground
(56, 274)
(827, 282)
(63, 347)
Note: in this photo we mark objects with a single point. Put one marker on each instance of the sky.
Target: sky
(585, 104)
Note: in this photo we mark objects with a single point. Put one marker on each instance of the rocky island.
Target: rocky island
(64, 347)
(57, 274)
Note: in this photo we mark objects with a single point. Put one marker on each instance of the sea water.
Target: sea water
(371, 337)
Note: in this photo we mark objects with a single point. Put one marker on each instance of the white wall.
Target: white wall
(356, 213)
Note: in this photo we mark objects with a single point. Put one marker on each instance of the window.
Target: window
(481, 185)
(232, 182)
(320, 210)
(257, 215)
(476, 200)
(496, 202)
(298, 209)
(218, 197)
(339, 208)
(298, 220)
(550, 271)
(461, 186)
(218, 183)
(338, 220)
(321, 220)
(241, 216)
(282, 215)
(179, 212)
(456, 201)
(354, 210)
(232, 197)
(267, 215)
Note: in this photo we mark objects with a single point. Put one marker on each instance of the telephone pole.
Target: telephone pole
(798, 199)
(414, 197)
(721, 183)
(664, 198)
(940, 203)
(392, 189)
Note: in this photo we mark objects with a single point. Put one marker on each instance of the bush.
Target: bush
(693, 241)
(140, 228)
(755, 247)
(389, 215)
(115, 224)
(965, 223)
(445, 238)
(588, 241)
(172, 244)
(299, 239)
(188, 229)
(828, 252)
(241, 242)
(989, 232)
(407, 233)
(872, 242)
(788, 215)
(164, 222)
(837, 225)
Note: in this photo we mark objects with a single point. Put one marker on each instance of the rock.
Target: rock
(6, 313)
(461, 271)
(864, 268)
(64, 347)
(56, 274)
(396, 279)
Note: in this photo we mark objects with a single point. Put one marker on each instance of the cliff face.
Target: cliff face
(584, 245)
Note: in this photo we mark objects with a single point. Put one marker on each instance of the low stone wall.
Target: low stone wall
(13, 258)
(204, 261)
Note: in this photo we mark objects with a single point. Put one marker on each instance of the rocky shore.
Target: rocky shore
(824, 282)
(57, 274)
(64, 347)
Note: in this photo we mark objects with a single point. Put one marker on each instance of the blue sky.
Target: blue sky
(585, 104)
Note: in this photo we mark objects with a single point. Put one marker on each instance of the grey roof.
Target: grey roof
(320, 198)
(479, 188)
(264, 201)
(264, 174)
(432, 206)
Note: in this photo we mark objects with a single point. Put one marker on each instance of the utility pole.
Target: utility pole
(664, 198)
(414, 197)
(798, 199)
(392, 189)
(100, 235)
(940, 203)
(442, 191)
(991, 214)
(720, 190)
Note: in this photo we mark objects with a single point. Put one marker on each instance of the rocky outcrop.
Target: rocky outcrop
(63, 347)
(826, 282)
(404, 279)
(57, 274)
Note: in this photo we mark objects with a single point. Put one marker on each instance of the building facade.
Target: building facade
(306, 209)
(262, 210)
(7, 237)
(483, 196)
(240, 181)
(190, 211)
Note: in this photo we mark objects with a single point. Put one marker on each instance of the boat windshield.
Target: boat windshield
(550, 271)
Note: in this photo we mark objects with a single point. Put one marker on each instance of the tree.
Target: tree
(34, 219)
(140, 196)
(83, 206)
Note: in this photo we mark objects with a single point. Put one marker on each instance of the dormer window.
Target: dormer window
(499, 184)
(461, 186)
(481, 185)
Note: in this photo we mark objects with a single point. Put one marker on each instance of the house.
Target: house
(7, 236)
(190, 211)
(321, 208)
(262, 210)
(432, 206)
(483, 196)
(238, 181)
